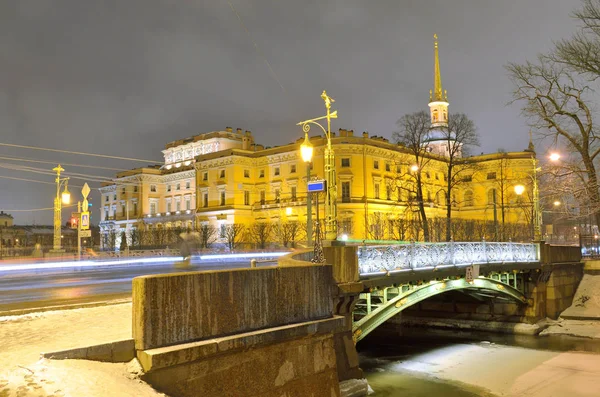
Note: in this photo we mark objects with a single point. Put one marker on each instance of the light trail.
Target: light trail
(130, 261)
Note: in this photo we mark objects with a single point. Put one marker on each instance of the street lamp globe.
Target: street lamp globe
(554, 156)
(306, 149)
(66, 196)
(414, 168)
(519, 189)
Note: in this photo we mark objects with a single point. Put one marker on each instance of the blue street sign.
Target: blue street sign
(316, 186)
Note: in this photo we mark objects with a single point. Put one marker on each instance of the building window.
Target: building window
(246, 173)
(135, 189)
(399, 193)
(491, 175)
(122, 209)
(106, 198)
(398, 168)
(153, 188)
(262, 197)
(223, 230)
(168, 188)
(293, 190)
(277, 195)
(387, 167)
(205, 176)
(345, 226)
(467, 178)
(222, 174)
(246, 197)
(205, 200)
(123, 190)
(468, 198)
(429, 197)
(188, 203)
(153, 208)
(178, 187)
(437, 176)
(261, 173)
(388, 192)
(178, 205)
(345, 192)
(105, 213)
(115, 196)
(427, 175)
(135, 209)
(492, 199)
(169, 208)
(377, 190)
(346, 162)
(292, 168)
(276, 171)
(223, 197)
(376, 164)
(187, 184)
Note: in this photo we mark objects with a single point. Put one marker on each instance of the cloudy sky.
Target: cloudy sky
(123, 77)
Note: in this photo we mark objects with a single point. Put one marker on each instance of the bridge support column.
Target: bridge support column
(345, 273)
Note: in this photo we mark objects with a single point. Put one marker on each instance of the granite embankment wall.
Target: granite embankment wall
(246, 332)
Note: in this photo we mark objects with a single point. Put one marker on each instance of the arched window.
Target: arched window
(435, 115)
(492, 197)
(468, 198)
(445, 116)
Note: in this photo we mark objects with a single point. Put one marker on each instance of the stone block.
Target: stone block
(297, 367)
(183, 307)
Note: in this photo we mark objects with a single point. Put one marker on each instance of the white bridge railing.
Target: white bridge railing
(379, 259)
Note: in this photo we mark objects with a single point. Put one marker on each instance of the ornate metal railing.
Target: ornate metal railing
(416, 256)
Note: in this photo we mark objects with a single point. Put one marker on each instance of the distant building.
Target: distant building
(6, 220)
(223, 177)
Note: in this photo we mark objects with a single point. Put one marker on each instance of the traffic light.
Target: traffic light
(74, 221)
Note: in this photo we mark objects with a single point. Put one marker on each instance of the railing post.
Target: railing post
(411, 254)
(484, 245)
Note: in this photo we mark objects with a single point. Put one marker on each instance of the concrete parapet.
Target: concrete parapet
(184, 307)
(559, 253)
(114, 352)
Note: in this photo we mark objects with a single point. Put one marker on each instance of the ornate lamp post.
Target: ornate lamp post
(306, 150)
(331, 190)
(65, 198)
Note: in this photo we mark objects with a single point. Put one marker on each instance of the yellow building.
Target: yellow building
(222, 178)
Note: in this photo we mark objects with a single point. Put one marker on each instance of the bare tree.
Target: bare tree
(290, 231)
(377, 226)
(412, 133)
(234, 232)
(260, 233)
(581, 52)
(460, 135)
(207, 235)
(558, 106)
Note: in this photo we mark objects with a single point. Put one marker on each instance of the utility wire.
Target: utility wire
(24, 159)
(40, 209)
(77, 153)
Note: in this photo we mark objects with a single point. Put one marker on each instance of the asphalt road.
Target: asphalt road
(37, 288)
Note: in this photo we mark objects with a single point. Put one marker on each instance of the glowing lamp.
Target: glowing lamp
(66, 196)
(414, 168)
(519, 189)
(554, 156)
(306, 149)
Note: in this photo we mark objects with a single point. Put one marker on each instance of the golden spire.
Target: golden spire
(438, 94)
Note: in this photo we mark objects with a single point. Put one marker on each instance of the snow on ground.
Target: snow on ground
(24, 337)
(586, 302)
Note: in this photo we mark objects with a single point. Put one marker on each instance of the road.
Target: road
(44, 285)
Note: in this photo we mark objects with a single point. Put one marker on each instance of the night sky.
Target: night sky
(124, 77)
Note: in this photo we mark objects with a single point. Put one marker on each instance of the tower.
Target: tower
(436, 140)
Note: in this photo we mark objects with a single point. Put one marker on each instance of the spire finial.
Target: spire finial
(438, 92)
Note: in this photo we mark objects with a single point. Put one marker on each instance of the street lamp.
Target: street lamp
(306, 151)
(331, 191)
(64, 198)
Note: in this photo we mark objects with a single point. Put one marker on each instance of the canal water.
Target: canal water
(404, 365)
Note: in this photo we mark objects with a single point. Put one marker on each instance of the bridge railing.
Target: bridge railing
(422, 256)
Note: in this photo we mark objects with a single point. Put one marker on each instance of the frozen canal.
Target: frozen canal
(467, 365)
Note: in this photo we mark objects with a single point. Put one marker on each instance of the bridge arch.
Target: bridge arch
(371, 321)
